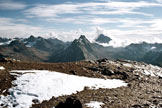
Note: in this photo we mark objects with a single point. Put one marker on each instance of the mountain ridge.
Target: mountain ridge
(55, 50)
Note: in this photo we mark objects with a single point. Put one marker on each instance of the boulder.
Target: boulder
(6, 60)
(71, 102)
(107, 72)
(102, 60)
(74, 72)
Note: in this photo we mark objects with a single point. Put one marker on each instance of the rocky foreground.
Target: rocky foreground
(143, 88)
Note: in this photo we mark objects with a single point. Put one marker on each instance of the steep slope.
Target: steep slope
(80, 49)
(153, 57)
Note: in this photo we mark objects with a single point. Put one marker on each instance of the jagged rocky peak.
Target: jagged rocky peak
(82, 40)
(103, 39)
(82, 37)
(80, 49)
(31, 38)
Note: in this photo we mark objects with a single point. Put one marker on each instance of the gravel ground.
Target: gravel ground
(143, 91)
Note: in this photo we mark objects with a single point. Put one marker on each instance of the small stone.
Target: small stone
(35, 101)
(136, 106)
(73, 72)
(107, 72)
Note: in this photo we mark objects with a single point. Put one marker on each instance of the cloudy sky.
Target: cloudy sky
(125, 21)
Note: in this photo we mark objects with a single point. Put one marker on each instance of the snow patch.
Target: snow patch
(2, 68)
(153, 48)
(43, 85)
(94, 104)
(127, 65)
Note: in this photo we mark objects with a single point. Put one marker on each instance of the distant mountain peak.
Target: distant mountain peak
(16, 43)
(82, 37)
(40, 38)
(80, 49)
(103, 39)
(31, 38)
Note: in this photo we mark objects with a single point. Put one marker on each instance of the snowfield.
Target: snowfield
(43, 84)
(2, 68)
(94, 104)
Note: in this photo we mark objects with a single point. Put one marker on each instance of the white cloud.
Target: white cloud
(11, 5)
(151, 32)
(74, 20)
(160, 1)
(119, 37)
(157, 24)
(90, 8)
(83, 20)
(13, 28)
(99, 21)
(43, 10)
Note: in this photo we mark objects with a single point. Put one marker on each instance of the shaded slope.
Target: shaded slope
(17, 50)
(80, 49)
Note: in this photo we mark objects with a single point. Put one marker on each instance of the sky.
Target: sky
(125, 21)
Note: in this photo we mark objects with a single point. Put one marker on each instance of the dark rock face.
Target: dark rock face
(1, 56)
(146, 52)
(103, 39)
(71, 102)
(80, 49)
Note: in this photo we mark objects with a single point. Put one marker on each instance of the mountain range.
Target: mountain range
(39, 49)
